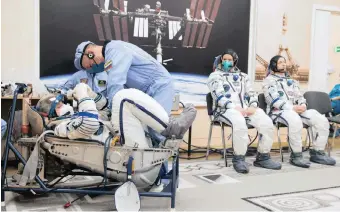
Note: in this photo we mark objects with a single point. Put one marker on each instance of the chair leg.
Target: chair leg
(224, 147)
(279, 140)
(330, 147)
(209, 139)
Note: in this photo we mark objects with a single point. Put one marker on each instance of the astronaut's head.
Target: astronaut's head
(53, 106)
(228, 60)
(88, 56)
(278, 64)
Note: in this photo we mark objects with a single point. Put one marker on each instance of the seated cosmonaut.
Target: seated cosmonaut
(132, 113)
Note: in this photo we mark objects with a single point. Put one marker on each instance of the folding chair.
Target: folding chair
(263, 106)
(321, 102)
(214, 122)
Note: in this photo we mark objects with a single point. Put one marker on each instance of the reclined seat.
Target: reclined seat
(109, 159)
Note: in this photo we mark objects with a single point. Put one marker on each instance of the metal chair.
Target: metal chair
(263, 106)
(214, 122)
(321, 102)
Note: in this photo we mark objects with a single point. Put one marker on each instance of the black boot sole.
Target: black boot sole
(242, 172)
(258, 165)
(306, 167)
(323, 163)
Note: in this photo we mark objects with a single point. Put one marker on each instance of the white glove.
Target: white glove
(91, 93)
(69, 94)
(80, 91)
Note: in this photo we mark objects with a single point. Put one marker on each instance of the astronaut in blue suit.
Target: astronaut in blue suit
(128, 66)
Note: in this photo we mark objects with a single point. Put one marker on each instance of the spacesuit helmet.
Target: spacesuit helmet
(228, 59)
(277, 64)
(53, 106)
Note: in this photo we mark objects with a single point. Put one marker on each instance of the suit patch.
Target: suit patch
(108, 65)
(290, 93)
(101, 83)
(236, 83)
(84, 80)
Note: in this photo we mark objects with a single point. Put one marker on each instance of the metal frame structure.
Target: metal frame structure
(192, 30)
(169, 191)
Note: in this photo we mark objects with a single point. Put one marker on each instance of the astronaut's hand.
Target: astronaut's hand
(299, 108)
(91, 93)
(250, 111)
(80, 91)
(54, 123)
(241, 110)
(69, 94)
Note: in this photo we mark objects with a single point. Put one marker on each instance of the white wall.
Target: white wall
(20, 42)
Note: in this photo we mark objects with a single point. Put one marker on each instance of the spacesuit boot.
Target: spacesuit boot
(240, 164)
(178, 126)
(296, 159)
(263, 160)
(321, 157)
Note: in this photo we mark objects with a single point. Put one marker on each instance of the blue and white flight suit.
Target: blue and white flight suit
(281, 94)
(96, 81)
(230, 89)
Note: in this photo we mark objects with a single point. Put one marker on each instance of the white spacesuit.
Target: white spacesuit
(236, 104)
(286, 105)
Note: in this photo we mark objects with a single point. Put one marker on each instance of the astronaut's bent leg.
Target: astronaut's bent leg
(132, 109)
(264, 126)
(294, 123)
(320, 129)
(163, 94)
(239, 138)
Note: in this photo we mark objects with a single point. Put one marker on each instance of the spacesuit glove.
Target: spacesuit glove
(61, 129)
(69, 94)
(91, 93)
(80, 91)
(241, 110)
(250, 111)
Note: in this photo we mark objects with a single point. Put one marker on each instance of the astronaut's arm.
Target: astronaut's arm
(117, 65)
(215, 85)
(69, 84)
(251, 94)
(273, 97)
(99, 99)
(299, 99)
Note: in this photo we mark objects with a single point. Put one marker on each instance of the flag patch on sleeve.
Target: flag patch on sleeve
(108, 65)
(83, 80)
